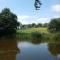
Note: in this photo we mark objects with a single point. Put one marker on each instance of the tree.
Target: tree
(39, 25)
(29, 26)
(8, 22)
(45, 25)
(33, 25)
(54, 25)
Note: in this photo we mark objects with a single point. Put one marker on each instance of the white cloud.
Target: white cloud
(43, 20)
(25, 19)
(58, 16)
(56, 8)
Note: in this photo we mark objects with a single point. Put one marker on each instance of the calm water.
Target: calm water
(12, 50)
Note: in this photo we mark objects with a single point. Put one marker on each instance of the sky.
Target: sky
(26, 13)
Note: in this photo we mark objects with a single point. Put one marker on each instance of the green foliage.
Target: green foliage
(57, 37)
(8, 22)
(33, 25)
(23, 36)
(39, 25)
(36, 37)
(45, 25)
(54, 25)
(46, 37)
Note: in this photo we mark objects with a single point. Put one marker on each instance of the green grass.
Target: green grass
(43, 30)
(26, 34)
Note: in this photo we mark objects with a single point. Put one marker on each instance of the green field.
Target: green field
(43, 30)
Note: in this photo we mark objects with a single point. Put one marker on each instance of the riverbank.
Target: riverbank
(26, 34)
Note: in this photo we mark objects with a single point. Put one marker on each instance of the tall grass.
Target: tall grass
(35, 37)
(23, 36)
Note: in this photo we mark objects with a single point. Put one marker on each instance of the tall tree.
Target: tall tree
(8, 22)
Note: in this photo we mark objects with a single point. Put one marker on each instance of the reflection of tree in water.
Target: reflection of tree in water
(54, 48)
(8, 49)
(36, 41)
(36, 37)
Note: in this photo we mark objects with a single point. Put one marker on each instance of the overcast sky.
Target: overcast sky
(26, 12)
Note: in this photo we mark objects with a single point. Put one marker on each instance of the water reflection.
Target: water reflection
(54, 48)
(36, 41)
(8, 49)
(30, 51)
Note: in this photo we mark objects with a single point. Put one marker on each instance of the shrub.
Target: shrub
(54, 25)
(36, 37)
(57, 37)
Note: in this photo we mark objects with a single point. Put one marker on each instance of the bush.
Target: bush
(57, 37)
(36, 37)
(54, 25)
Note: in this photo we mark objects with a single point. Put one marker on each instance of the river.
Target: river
(25, 50)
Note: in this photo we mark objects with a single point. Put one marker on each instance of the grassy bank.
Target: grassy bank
(26, 34)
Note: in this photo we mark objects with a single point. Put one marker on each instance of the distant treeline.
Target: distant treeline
(33, 25)
(53, 25)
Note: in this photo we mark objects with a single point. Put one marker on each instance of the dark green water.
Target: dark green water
(23, 50)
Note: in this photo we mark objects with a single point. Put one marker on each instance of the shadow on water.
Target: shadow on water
(54, 49)
(35, 41)
(8, 49)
